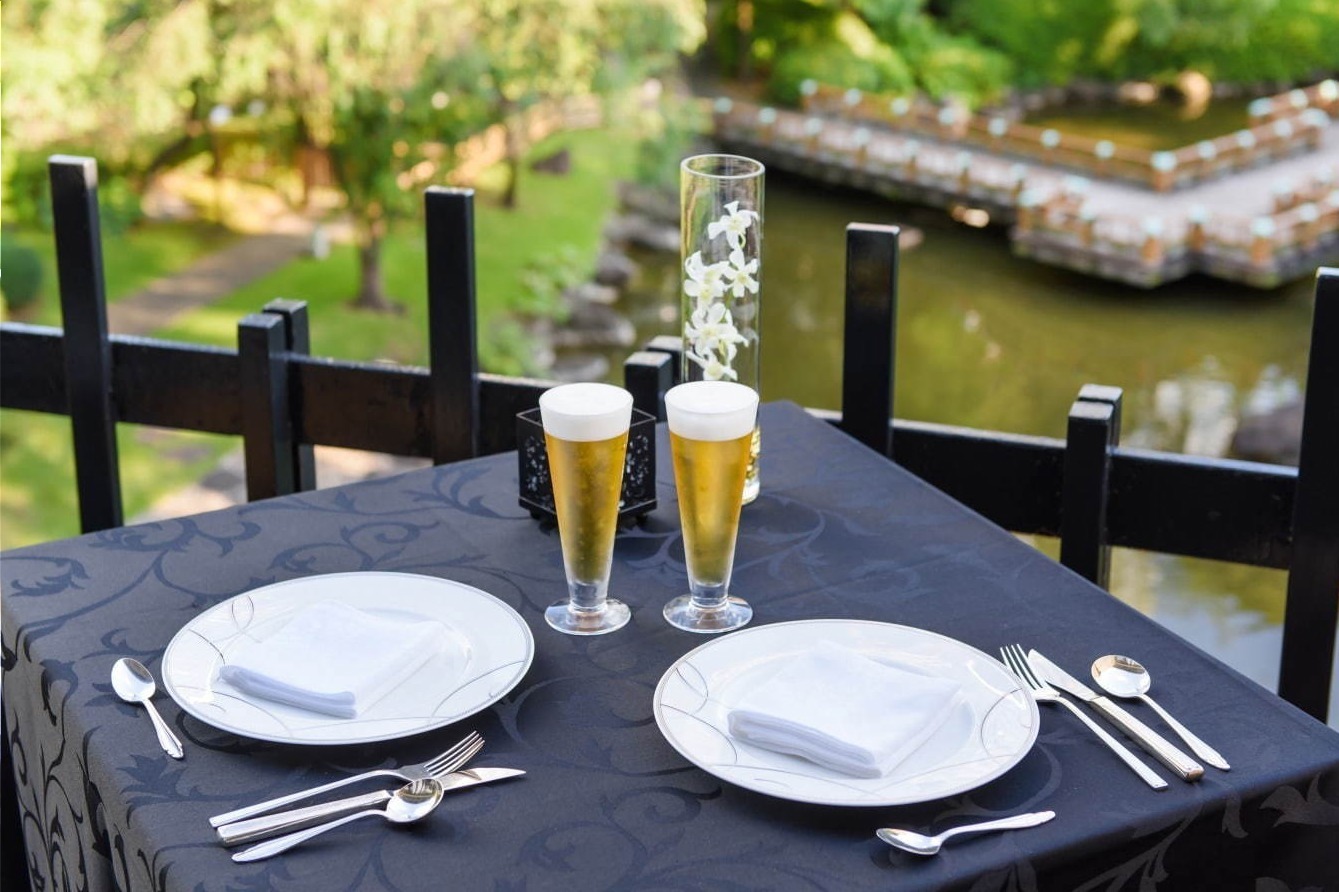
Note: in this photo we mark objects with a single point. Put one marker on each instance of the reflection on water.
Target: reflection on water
(1164, 124)
(990, 341)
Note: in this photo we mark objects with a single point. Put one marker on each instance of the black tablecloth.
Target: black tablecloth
(837, 532)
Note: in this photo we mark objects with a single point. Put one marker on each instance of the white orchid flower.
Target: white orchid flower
(704, 282)
(740, 274)
(711, 330)
(713, 369)
(734, 224)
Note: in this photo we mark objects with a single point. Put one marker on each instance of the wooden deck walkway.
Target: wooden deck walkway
(1262, 226)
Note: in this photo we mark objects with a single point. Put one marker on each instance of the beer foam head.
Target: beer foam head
(711, 410)
(585, 412)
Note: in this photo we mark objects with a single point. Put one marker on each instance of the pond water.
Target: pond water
(1154, 126)
(991, 341)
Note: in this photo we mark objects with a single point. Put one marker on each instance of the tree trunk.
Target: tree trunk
(371, 294)
(513, 154)
(744, 45)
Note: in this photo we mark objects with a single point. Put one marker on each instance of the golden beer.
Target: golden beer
(711, 492)
(712, 428)
(587, 482)
(586, 438)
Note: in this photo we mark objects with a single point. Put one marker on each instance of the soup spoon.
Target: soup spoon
(920, 844)
(1123, 677)
(134, 683)
(411, 802)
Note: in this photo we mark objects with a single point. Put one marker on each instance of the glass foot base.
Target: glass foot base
(683, 614)
(614, 615)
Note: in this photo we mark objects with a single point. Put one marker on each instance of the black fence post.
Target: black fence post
(88, 352)
(297, 339)
(267, 435)
(869, 345)
(1094, 431)
(647, 374)
(672, 346)
(452, 343)
(1312, 611)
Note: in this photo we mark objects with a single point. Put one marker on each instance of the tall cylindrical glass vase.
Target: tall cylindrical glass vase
(721, 216)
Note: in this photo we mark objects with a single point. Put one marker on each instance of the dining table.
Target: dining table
(839, 532)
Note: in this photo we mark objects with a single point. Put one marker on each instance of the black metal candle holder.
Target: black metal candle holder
(639, 467)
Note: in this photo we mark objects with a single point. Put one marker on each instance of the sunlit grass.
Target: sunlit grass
(38, 500)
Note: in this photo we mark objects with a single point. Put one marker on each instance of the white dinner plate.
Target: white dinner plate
(990, 730)
(490, 650)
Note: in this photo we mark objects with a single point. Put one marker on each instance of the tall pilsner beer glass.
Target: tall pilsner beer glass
(586, 435)
(711, 425)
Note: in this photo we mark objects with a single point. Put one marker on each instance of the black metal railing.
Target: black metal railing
(1088, 490)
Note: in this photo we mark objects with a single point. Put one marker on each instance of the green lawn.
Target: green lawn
(556, 214)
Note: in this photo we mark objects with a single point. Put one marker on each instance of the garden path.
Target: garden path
(209, 279)
(205, 281)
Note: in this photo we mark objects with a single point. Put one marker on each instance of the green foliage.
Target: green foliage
(1054, 41)
(27, 190)
(850, 54)
(668, 140)
(544, 279)
(885, 46)
(20, 273)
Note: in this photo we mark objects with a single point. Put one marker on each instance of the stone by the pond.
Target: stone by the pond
(615, 269)
(579, 367)
(640, 230)
(594, 325)
(590, 293)
(1274, 437)
(658, 204)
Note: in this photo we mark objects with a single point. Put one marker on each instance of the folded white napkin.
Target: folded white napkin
(334, 659)
(844, 711)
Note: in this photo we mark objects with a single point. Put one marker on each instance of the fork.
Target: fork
(1016, 660)
(439, 766)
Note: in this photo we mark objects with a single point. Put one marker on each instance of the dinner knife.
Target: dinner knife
(240, 832)
(1161, 748)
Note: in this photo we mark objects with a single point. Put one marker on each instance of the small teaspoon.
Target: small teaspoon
(920, 844)
(134, 683)
(1126, 678)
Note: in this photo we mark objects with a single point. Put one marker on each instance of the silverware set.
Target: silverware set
(1042, 678)
(1118, 676)
(427, 783)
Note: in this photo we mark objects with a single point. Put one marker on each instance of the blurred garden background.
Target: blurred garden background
(304, 131)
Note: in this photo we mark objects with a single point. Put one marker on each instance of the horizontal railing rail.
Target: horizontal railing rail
(1159, 503)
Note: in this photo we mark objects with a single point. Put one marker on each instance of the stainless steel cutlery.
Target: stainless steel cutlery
(134, 683)
(920, 844)
(412, 802)
(1123, 677)
(1162, 749)
(242, 832)
(433, 768)
(1016, 660)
